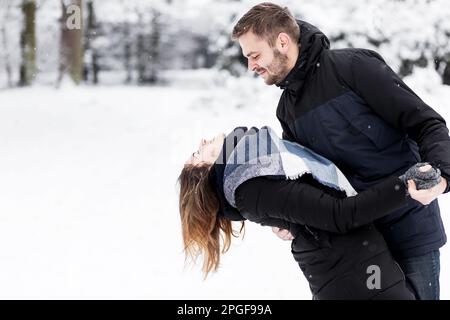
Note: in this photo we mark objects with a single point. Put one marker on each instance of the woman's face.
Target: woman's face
(208, 151)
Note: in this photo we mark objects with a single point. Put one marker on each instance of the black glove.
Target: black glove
(423, 180)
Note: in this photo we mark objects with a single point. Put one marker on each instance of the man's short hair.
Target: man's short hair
(267, 20)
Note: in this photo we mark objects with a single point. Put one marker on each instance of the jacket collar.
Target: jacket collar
(311, 44)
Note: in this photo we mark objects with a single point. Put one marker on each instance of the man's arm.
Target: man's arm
(286, 134)
(389, 97)
(281, 116)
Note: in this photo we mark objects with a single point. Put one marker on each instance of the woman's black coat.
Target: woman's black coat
(335, 244)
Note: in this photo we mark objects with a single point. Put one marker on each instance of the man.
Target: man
(350, 107)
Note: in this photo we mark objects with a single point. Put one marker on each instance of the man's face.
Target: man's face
(267, 62)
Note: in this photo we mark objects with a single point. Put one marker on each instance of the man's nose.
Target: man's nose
(252, 65)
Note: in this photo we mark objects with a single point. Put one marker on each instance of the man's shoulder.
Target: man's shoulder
(348, 54)
(343, 61)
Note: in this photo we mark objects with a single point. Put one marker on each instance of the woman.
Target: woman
(253, 175)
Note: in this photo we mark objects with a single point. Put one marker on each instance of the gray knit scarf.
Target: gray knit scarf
(262, 153)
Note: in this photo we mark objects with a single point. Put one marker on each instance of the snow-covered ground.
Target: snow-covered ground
(88, 193)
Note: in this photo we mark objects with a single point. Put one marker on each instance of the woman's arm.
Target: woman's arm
(300, 202)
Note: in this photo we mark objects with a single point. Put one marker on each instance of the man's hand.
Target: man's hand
(426, 196)
(283, 233)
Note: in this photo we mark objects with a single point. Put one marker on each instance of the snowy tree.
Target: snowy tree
(137, 41)
(408, 33)
(91, 63)
(6, 16)
(148, 43)
(28, 43)
(71, 45)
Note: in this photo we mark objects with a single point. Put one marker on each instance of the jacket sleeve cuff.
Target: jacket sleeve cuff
(447, 189)
(444, 170)
(400, 186)
(393, 192)
(446, 177)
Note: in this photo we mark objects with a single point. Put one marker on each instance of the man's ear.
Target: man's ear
(283, 42)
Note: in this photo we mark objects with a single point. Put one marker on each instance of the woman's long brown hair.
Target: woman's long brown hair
(203, 232)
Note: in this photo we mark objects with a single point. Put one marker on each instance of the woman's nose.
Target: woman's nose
(202, 142)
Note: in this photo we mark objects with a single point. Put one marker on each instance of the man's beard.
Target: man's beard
(278, 69)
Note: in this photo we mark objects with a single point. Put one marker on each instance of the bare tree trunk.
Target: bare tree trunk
(127, 52)
(6, 59)
(446, 75)
(71, 42)
(148, 46)
(154, 47)
(141, 58)
(91, 32)
(28, 43)
(141, 52)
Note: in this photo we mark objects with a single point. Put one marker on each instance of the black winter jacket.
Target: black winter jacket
(336, 262)
(351, 108)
